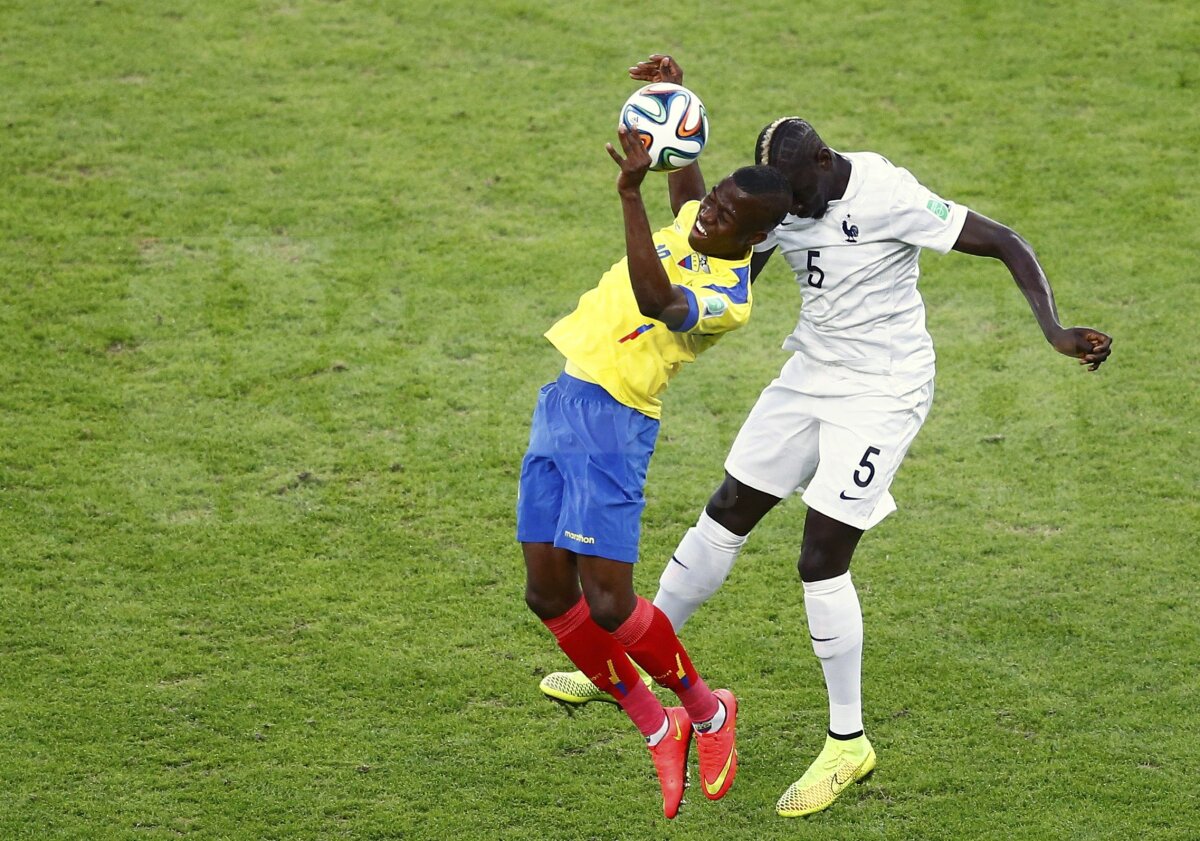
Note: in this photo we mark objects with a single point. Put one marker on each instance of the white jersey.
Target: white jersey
(857, 270)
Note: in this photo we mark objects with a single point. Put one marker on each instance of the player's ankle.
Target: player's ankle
(658, 735)
(713, 724)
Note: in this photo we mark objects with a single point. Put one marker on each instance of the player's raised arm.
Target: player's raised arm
(656, 296)
(687, 184)
(657, 68)
(984, 237)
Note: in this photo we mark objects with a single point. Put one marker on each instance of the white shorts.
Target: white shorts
(838, 440)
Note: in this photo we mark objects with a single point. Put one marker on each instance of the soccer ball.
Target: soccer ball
(671, 123)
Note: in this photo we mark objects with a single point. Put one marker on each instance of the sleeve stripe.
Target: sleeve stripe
(739, 293)
(693, 314)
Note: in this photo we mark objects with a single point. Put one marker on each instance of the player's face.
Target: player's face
(727, 222)
(812, 184)
(809, 199)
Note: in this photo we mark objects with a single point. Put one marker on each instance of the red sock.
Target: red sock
(650, 640)
(594, 652)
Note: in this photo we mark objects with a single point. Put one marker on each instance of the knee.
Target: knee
(723, 506)
(827, 547)
(547, 604)
(728, 517)
(803, 567)
(815, 564)
(737, 507)
(608, 610)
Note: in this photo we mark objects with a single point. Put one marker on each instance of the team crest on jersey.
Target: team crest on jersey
(938, 208)
(714, 306)
(696, 263)
(851, 231)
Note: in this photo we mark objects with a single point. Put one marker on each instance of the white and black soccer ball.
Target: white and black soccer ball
(670, 121)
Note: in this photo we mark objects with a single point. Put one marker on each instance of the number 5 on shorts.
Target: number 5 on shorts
(866, 462)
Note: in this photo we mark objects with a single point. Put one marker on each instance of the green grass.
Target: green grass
(273, 278)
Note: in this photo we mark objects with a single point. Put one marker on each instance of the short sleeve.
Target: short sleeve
(719, 305)
(767, 244)
(920, 217)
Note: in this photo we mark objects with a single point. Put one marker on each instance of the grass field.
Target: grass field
(273, 278)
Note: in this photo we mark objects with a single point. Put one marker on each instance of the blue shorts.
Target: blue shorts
(583, 475)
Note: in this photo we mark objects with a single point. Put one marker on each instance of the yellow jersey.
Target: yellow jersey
(632, 357)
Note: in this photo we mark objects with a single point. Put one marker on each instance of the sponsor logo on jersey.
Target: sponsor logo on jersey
(662, 251)
(714, 306)
(938, 208)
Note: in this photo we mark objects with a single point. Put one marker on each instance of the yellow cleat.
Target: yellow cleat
(840, 764)
(574, 687)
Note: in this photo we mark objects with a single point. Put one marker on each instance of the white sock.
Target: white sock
(661, 733)
(697, 569)
(713, 724)
(836, 628)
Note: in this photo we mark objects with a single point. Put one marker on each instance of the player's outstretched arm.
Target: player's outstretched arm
(984, 237)
(687, 184)
(656, 296)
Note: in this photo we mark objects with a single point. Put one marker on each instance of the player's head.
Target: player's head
(740, 211)
(793, 146)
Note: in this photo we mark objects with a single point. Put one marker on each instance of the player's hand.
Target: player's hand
(657, 68)
(1090, 347)
(634, 165)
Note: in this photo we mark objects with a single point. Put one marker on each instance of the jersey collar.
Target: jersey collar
(853, 184)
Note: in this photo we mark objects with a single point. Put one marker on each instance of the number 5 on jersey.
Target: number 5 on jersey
(815, 275)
